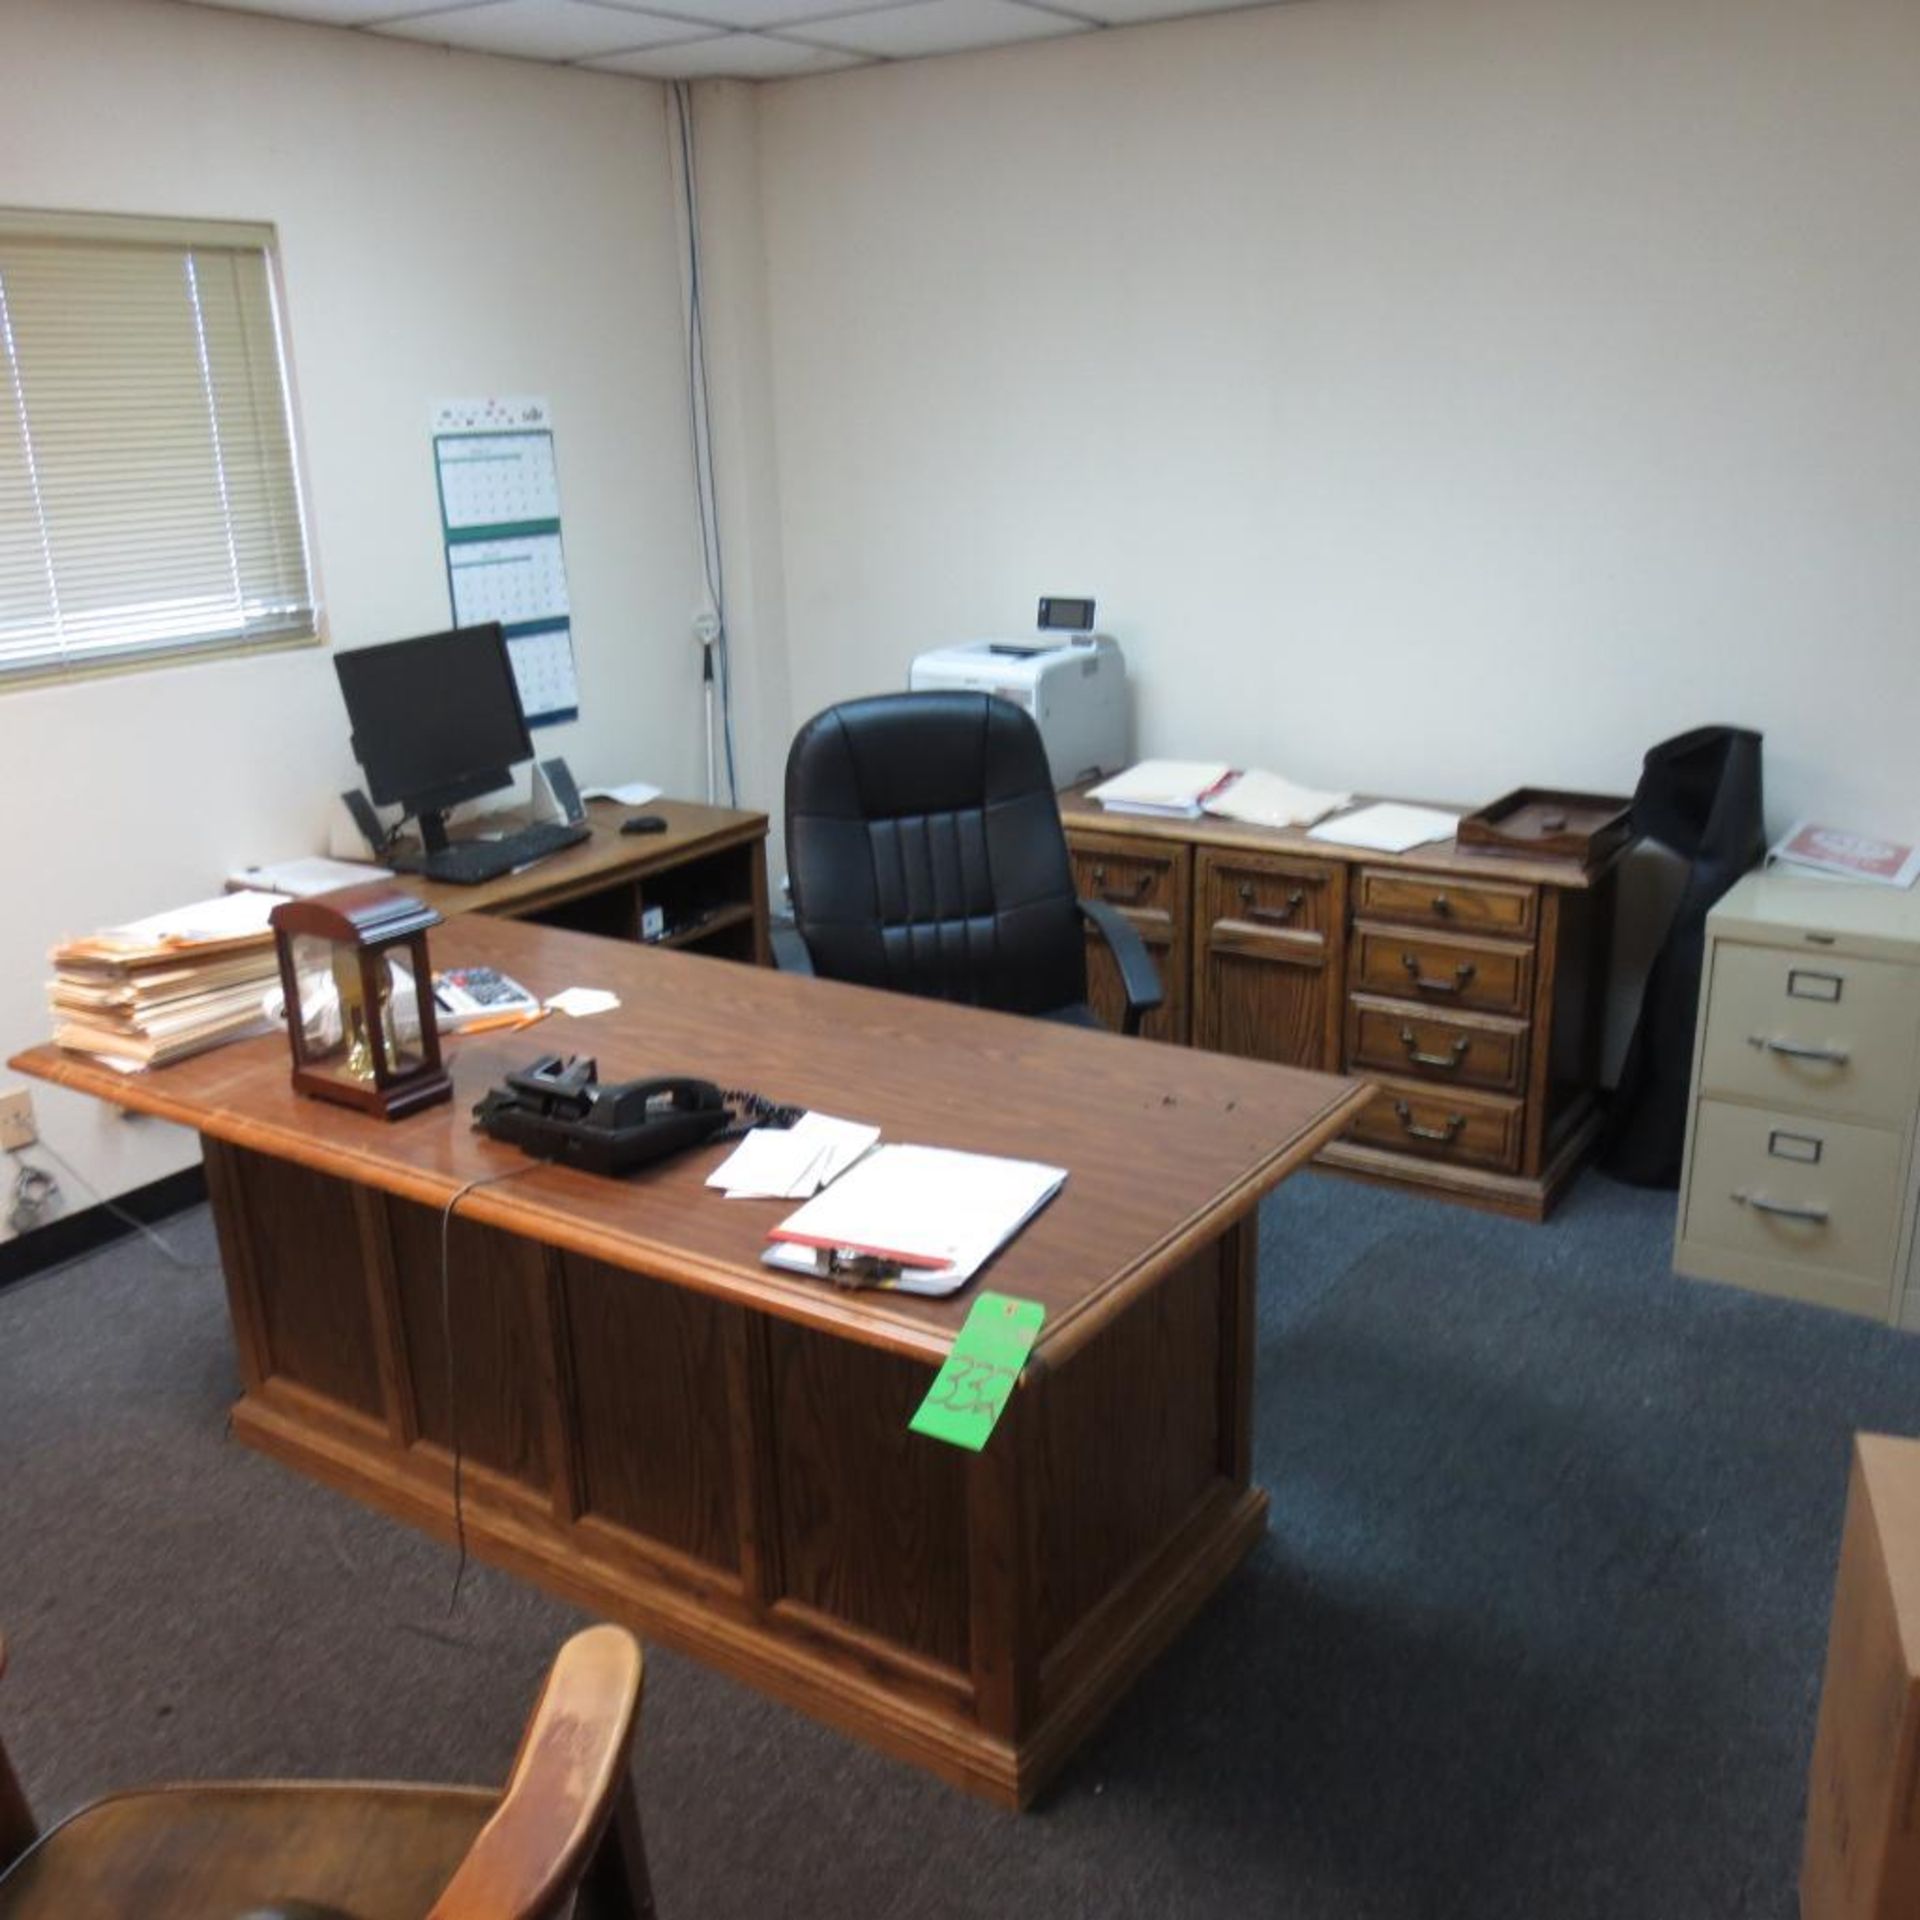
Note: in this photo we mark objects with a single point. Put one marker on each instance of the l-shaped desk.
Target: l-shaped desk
(657, 1426)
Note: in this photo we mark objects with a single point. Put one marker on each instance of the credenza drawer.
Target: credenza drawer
(1467, 1050)
(1441, 1123)
(1245, 897)
(1787, 1187)
(1435, 900)
(1442, 971)
(1824, 1033)
(1141, 879)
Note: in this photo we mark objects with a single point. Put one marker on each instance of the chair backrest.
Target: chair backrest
(926, 854)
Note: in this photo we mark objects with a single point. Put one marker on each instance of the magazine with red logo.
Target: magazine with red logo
(1857, 856)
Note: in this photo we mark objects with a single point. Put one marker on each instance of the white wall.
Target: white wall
(1436, 394)
(450, 225)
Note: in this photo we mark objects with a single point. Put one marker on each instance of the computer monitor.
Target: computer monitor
(436, 720)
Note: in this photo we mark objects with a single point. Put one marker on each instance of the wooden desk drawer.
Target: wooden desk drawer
(1442, 971)
(1823, 1033)
(1784, 1187)
(1150, 884)
(1482, 1051)
(1247, 895)
(1435, 900)
(1444, 1123)
(1133, 874)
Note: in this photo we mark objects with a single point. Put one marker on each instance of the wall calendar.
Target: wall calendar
(500, 520)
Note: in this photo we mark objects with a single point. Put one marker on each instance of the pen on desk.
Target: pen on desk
(501, 1022)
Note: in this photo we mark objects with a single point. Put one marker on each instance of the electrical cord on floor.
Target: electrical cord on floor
(34, 1187)
(446, 1338)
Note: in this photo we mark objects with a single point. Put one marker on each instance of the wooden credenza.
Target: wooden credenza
(1468, 987)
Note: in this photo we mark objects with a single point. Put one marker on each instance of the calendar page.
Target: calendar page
(500, 521)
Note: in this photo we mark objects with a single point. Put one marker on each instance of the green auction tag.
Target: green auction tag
(971, 1391)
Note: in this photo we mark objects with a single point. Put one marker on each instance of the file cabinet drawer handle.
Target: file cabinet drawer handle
(1461, 975)
(1119, 896)
(1445, 1135)
(1449, 1061)
(1780, 1210)
(1442, 905)
(1269, 916)
(1831, 1056)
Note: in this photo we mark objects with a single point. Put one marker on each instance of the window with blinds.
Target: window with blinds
(149, 491)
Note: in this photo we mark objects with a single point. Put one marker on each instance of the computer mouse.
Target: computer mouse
(643, 823)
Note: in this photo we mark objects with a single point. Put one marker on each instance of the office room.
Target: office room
(1440, 399)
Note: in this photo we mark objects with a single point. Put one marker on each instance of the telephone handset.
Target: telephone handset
(555, 1110)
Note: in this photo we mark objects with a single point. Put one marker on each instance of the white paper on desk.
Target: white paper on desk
(636, 793)
(1267, 800)
(302, 879)
(943, 1213)
(792, 1163)
(1390, 826)
(227, 916)
(581, 1001)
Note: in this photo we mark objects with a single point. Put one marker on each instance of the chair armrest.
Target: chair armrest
(1139, 977)
(568, 1786)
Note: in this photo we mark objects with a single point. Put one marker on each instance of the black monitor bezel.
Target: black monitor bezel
(348, 663)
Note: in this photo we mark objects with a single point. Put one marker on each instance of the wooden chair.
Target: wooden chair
(565, 1830)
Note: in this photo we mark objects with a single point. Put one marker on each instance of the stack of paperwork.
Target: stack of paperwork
(162, 988)
(1167, 789)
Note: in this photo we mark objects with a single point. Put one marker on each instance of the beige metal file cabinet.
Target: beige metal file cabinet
(1799, 1176)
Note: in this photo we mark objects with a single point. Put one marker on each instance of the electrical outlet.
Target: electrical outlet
(16, 1120)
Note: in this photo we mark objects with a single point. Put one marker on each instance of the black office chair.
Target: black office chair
(925, 853)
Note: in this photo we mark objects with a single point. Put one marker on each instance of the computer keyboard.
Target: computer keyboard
(468, 862)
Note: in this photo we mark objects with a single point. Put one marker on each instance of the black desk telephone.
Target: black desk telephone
(556, 1110)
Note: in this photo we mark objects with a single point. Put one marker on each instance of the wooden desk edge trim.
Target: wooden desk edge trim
(869, 1325)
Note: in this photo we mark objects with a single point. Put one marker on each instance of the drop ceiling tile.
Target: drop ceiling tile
(332, 13)
(749, 14)
(1123, 13)
(539, 29)
(730, 56)
(935, 26)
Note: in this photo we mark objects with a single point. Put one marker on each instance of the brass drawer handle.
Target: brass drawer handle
(1461, 975)
(1831, 1056)
(1269, 916)
(1442, 905)
(1119, 897)
(1444, 1135)
(1449, 1061)
(1760, 1204)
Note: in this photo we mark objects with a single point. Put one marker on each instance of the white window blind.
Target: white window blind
(149, 490)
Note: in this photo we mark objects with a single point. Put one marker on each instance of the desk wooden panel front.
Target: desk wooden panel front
(1469, 987)
(655, 1425)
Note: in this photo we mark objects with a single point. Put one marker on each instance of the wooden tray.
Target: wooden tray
(1541, 820)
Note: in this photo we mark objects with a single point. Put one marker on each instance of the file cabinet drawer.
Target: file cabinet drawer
(1431, 967)
(1441, 1123)
(1435, 900)
(1825, 1033)
(1791, 1188)
(1485, 1052)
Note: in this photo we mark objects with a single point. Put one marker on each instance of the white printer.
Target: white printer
(1074, 687)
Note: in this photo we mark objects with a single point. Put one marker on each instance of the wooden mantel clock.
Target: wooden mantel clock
(359, 993)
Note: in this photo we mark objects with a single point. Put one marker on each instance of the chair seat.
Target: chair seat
(372, 1851)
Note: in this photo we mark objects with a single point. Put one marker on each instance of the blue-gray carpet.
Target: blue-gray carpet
(1537, 1628)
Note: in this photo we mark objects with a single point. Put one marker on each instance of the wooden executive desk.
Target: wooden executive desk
(658, 1427)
